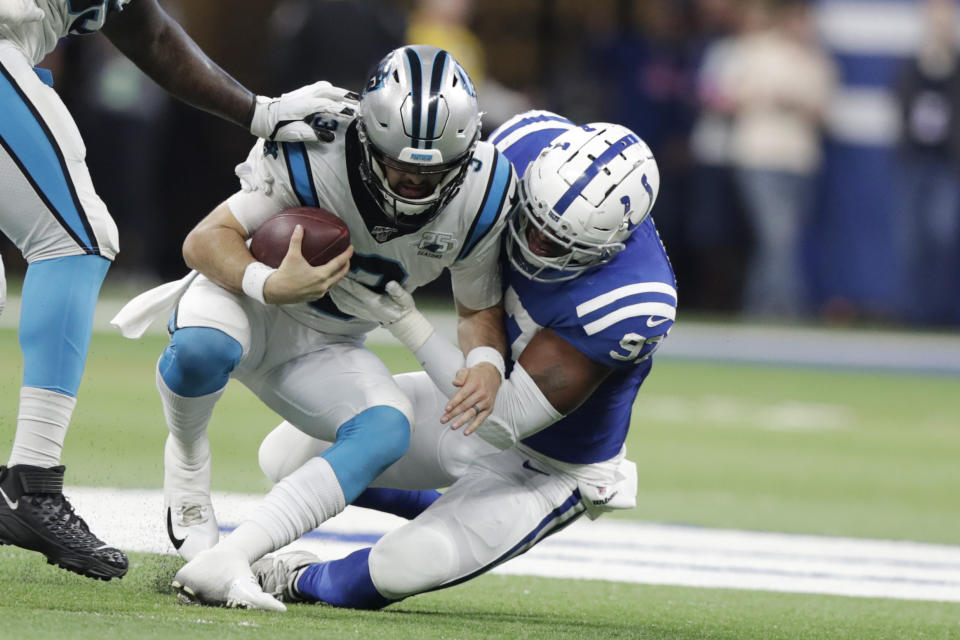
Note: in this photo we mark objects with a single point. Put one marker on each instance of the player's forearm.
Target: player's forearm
(481, 328)
(219, 253)
(521, 410)
(162, 49)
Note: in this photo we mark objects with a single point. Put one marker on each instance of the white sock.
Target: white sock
(187, 420)
(41, 427)
(296, 505)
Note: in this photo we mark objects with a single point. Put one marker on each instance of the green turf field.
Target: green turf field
(767, 448)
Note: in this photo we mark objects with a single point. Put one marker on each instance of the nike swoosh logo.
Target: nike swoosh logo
(527, 465)
(653, 323)
(177, 542)
(13, 504)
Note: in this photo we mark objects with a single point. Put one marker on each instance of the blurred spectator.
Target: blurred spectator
(715, 230)
(445, 24)
(780, 83)
(333, 40)
(640, 54)
(929, 97)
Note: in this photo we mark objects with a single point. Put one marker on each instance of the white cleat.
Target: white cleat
(223, 579)
(191, 523)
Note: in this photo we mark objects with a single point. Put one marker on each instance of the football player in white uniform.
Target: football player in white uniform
(590, 296)
(50, 210)
(419, 194)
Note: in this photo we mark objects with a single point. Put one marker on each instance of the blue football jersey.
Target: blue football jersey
(616, 314)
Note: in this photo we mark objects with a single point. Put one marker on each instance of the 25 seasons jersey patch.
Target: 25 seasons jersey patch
(434, 245)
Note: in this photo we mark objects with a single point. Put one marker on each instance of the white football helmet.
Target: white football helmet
(418, 114)
(580, 200)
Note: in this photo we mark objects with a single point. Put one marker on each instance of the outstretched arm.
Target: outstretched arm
(550, 379)
(154, 41)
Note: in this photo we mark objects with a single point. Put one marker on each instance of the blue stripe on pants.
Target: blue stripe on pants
(28, 140)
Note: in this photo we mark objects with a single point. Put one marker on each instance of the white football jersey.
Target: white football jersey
(61, 17)
(464, 237)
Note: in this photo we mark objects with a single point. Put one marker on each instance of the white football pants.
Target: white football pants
(49, 207)
(499, 504)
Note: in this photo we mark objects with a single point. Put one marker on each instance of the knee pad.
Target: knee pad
(366, 445)
(384, 431)
(199, 361)
(417, 557)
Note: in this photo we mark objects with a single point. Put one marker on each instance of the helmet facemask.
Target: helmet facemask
(576, 257)
(405, 212)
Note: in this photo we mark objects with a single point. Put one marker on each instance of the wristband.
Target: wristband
(254, 278)
(486, 354)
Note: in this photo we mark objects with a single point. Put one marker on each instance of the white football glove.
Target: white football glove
(394, 310)
(310, 113)
(17, 12)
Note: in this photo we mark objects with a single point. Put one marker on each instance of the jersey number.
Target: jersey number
(374, 271)
(637, 348)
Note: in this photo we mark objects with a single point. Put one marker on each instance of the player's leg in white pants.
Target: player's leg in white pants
(336, 390)
(51, 211)
(501, 505)
(211, 333)
(437, 456)
(499, 510)
(360, 409)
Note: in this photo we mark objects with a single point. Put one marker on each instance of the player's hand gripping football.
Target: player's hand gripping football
(310, 113)
(297, 281)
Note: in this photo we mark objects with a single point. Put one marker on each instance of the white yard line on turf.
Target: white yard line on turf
(604, 550)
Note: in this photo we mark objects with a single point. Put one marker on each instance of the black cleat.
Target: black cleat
(35, 515)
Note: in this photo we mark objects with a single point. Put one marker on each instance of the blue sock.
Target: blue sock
(399, 502)
(56, 318)
(366, 445)
(342, 583)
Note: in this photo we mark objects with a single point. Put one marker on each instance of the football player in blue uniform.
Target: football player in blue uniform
(51, 211)
(590, 296)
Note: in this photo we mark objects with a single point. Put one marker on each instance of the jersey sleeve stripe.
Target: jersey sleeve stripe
(547, 117)
(494, 199)
(592, 170)
(298, 168)
(620, 293)
(659, 309)
(504, 143)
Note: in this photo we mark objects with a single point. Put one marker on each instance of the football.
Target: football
(325, 236)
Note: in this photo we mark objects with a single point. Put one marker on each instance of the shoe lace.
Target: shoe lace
(62, 521)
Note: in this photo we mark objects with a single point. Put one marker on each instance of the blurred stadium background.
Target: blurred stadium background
(161, 166)
(820, 424)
